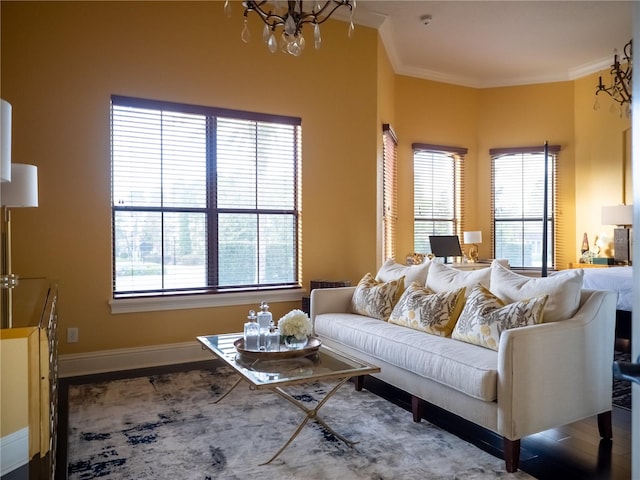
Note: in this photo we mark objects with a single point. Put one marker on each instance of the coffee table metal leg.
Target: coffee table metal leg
(230, 389)
(311, 413)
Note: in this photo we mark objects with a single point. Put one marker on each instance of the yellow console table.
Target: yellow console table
(29, 379)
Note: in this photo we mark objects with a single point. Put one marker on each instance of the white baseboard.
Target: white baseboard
(78, 364)
(14, 450)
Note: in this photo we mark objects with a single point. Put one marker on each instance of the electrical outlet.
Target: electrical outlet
(72, 335)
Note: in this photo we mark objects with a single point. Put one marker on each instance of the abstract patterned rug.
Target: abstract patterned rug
(167, 426)
(622, 389)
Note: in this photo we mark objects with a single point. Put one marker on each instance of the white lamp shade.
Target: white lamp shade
(5, 141)
(22, 191)
(617, 215)
(472, 237)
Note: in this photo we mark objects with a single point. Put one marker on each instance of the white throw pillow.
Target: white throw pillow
(443, 278)
(562, 288)
(391, 270)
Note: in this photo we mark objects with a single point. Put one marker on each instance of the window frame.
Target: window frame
(551, 204)
(146, 300)
(390, 192)
(456, 221)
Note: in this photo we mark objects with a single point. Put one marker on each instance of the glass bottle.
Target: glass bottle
(273, 338)
(252, 332)
(264, 320)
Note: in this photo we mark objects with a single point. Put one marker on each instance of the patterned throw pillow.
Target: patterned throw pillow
(421, 309)
(376, 299)
(485, 317)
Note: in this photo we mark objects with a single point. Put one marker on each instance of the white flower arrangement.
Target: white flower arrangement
(296, 323)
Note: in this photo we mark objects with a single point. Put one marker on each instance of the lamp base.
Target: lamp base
(621, 246)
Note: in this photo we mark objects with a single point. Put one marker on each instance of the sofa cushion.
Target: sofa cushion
(563, 289)
(391, 270)
(464, 367)
(376, 299)
(443, 278)
(485, 317)
(422, 309)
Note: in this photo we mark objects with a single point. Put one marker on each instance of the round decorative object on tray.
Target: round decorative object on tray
(312, 346)
(294, 343)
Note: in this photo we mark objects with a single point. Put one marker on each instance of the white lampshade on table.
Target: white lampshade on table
(473, 237)
(5, 141)
(22, 191)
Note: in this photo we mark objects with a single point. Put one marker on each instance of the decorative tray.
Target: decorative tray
(312, 347)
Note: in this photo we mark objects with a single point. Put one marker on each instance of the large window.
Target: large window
(437, 198)
(519, 207)
(203, 199)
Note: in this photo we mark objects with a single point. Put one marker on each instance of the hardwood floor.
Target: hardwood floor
(573, 451)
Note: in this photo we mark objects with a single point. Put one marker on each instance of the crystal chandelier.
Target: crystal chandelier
(620, 89)
(290, 15)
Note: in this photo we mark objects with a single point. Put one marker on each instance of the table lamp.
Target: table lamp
(622, 217)
(22, 191)
(472, 239)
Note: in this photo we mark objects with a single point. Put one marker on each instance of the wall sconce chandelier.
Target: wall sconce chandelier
(620, 88)
(290, 15)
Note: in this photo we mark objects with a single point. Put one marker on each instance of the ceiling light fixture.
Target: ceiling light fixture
(620, 89)
(290, 15)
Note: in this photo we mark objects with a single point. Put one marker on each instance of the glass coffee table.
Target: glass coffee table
(277, 374)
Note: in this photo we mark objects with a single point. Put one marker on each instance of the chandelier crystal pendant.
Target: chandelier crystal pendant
(291, 16)
(620, 88)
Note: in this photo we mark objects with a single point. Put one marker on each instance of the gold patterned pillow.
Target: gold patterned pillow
(421, 309)
(484, 317)
(376, 299)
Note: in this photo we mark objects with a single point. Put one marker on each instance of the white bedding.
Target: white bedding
(616, 279)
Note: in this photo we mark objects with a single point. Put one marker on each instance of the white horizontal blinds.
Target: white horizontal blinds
(390, 191)
(159, 192)
(202, 200)
(257, 201)
(517, 185)
(438, 195)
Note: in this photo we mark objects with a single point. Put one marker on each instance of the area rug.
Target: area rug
(167, 426)
(621, 395)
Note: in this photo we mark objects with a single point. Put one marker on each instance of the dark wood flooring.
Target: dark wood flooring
(574, 451)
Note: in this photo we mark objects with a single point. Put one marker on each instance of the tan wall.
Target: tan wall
(386, 114)
(528, 116)
(601, 138)
(61, 61)
(437, 113)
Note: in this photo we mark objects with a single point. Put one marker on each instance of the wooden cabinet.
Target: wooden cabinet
(29, 379)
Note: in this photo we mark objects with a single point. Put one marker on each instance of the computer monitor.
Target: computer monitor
(445, 246)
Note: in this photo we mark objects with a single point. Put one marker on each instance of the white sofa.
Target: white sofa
(541, 376)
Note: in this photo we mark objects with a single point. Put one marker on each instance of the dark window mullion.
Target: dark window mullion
(212, 203)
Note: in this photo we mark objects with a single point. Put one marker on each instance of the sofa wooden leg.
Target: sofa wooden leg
(359, 382)
(511, 454)
(416, 408)
(604, 425)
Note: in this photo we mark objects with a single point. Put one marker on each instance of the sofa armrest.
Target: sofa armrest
(330, 300)
(557, 373)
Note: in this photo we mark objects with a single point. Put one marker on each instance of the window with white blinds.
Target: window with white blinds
(203, 199)
(390, 191)
(438, 173)
(518, 205)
